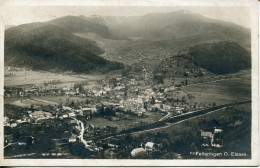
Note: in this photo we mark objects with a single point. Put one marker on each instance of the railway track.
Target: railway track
(167, 122)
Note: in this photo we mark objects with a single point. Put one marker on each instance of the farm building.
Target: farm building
(40, 115)
(149, 146)
(206, 138)
(138, 152)
(217, 138)
(73, 138)
(89, 110)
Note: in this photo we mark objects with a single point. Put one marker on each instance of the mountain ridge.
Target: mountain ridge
(152, 34)
(45, 46)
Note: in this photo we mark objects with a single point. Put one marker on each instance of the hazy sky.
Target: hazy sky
(16, 15)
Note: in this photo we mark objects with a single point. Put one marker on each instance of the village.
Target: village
(70, 111)
(91, 118)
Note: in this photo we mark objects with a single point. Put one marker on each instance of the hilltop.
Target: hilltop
(177, 25)
(221, 58)
(204, 60)
(82, 24)
(46, 47)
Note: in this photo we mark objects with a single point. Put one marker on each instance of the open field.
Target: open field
(34, 101)
(221, 92)
(62, 99)
(28, 77)
(131, 121)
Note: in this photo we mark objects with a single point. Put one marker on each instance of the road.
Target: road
(139, 53)
(8, 145)
(166, 116)
(194, 84)
(81, 134)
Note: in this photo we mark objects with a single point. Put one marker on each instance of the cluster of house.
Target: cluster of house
(26, 122)
(133, 104)
(62, 113)
(214, 138)
(32, 116)
(35, 91)
(66, 112)
(19, 92)
(150, 101)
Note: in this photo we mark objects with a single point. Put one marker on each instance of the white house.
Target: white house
(72, 115)
(149, 146)
(73, 138)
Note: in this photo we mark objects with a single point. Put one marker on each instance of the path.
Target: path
(81, 134)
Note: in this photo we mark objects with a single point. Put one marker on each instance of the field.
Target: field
(129, 121)
(20, 77)
(34, 101)
(221, 92)
(62, 99)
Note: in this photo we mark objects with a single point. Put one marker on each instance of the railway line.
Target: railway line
(170, 120)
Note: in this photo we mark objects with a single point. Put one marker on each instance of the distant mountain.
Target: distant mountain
(177, 25)
(155, 27)
(45, 46)
(64, 43)
(82, 24)
(221, 58)
(158, 36)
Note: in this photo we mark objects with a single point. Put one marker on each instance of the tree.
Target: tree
(101, 110)
(145, 105)
(32, 108)
(165, 144)
(125, 92)
(199, 124)
(87, 101)
(186, 82)
(60, 105)
(194, 106)
(125, 73)
(153, 100)
(72, 104)
(78, 86)
(158, 79)
(213, 123)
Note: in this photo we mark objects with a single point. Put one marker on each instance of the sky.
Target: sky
(16, 15)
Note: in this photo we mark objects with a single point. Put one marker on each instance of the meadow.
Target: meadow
(221, 92)
(126, 121)
(22, 77)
